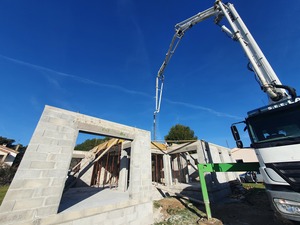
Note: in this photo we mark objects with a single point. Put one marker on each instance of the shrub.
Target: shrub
(7, 174)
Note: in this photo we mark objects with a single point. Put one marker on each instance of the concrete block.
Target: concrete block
(59, 157)
(135, 189)
(7, 206)
(49, 148)
(44, 118)
(25, 174)
(148, 207)
(131, 217)
(20, 217)
(66, 143)
(67, 129)
(36, 183)
(129, 210)
(57, 173)
(32, 147)
(63, 165)
(19, 194)
(57, 181)
(46, 211)
(49, 126)
(65, 150)
(60, 122)
(69, 116)
(55, 200)
(115, 214)
(146, 182)
(25, 164)
(16, 183)
(41, 140)
(38, 132)
(25, 204)
(42, 165)
(37, 156)
(48, 191)
(58, 135)
(52, 113)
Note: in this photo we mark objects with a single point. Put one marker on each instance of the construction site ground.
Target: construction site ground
(250, 208)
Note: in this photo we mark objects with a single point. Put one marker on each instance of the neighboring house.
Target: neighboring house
(7, 155)
(244, 155)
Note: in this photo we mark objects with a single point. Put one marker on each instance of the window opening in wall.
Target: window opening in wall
(98, 163)
(106, 168)
(157, 169)
(179, 168)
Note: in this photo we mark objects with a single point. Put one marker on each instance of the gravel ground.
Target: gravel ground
(250, 208)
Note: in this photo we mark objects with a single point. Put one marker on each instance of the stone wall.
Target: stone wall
(34, 195)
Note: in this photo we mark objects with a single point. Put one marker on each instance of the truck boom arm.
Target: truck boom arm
(269, 82)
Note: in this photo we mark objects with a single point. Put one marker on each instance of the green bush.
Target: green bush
(7, 174)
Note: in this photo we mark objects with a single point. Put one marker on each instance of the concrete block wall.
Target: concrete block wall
(218, 154)
(140, 185)
(36, 190)
(131, 213)
(217, 183)
(37, 186)
(204, 152)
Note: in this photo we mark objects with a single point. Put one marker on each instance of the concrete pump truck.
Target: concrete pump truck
(274, 130)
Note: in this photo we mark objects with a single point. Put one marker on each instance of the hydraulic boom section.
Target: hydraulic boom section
(180, 30)
(258, 63)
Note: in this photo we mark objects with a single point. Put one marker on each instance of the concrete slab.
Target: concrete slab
(76, 199)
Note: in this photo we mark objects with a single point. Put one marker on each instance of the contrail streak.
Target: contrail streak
(74, 77)
(116, 87)
(211, 111)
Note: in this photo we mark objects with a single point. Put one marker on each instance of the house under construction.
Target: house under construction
(173, 167)
(113, 183)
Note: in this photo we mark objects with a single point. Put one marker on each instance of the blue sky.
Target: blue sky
(101, 58)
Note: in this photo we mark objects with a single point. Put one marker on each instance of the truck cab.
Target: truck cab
(274, 131)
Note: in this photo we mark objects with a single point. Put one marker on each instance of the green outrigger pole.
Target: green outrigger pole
(220, 167)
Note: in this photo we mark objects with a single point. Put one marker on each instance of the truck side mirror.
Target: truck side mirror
(235, 133)
(236, 136)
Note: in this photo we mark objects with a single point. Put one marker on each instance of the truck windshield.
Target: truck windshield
(275, 127)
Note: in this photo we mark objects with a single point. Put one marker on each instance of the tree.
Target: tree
(6, 141)
(90, 143)
(180, 132)
(7, 174)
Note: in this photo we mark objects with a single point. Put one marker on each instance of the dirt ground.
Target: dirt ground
(250, 208)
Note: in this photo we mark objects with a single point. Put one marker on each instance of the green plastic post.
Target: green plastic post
(204, 190)
(220, 167)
